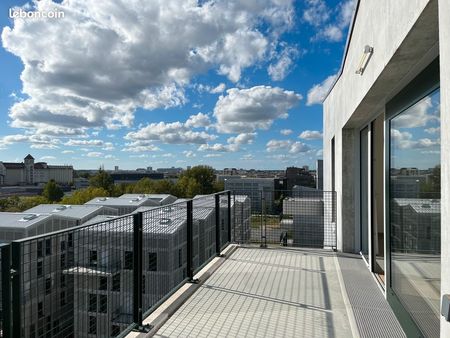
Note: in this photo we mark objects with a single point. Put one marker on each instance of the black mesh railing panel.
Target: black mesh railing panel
(204, 235)
(287, 218)
(164, 252)
(84, 281)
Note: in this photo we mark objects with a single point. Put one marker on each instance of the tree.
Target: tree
(102, 180)
(187, 187)
(82, 196)
(204, 175)
(52, 191)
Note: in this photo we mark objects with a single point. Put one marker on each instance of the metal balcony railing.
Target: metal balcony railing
(102, 279)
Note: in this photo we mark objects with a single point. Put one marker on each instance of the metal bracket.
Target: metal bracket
(194, 281)
(13, 273)
(146, 328)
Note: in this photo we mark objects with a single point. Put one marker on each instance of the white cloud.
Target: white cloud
(279, 70)
(287, 145)
(243, 138)
(248, 157)
(36, 141)
(108, 146)
(418, 115)
(94, 154)
(316, 12)
(67, 152)
(153, 50)
(311, 135)
(86, 143)
(197, 121)
(246, 110)
(215, 147)
(140, 146)
(433, 130)
(405, 140)
(212, 155)
(189, 153)
(218, 89)
(318, 92)
(330, 24)
(139, 156)
(170, 133)
(286, 132)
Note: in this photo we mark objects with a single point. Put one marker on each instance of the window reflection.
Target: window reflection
(415, 211)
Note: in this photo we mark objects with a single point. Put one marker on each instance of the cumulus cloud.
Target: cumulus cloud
(36, 141)
(140, 146)
(405, 140)
(318, 92)
(316, 12)
(281, 68)
(311, 135)
(246, 110)
(105, 59)
(330, 24)
(218, 89)
(286, 132)
(197, 121)
(189, 153)
(170, 133)
(418, 115)
(85, 143)
(287, 145)
(94, 154)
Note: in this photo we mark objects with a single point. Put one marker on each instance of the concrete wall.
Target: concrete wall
(404, 35)
(444, 45)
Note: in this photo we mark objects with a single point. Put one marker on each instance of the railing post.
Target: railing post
(6, 290)
(190, 240)
(229, 217)
(217, 204)
(137, 271)
(16, 281)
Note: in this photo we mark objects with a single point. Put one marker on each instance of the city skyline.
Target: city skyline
(65, 104)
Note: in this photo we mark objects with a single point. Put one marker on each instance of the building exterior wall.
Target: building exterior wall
(444, 51)
(406, 37)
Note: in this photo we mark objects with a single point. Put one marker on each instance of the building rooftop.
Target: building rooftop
(119, 201)
(21, 219)
(70, 211)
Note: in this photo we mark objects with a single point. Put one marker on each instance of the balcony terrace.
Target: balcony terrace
(207, 267)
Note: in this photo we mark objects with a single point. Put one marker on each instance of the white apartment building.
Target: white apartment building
(29, 173)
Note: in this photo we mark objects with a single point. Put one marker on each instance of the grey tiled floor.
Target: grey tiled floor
(266, 293)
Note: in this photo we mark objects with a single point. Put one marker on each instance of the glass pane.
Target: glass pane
(415, 211)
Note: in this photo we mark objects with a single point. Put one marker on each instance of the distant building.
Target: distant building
(125, 176)
(29, 173)
(80, 183)
(319, 175)
(299, 176)
(170, 171)
(259, 190)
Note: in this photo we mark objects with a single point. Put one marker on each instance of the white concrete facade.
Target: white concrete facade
(406, 36)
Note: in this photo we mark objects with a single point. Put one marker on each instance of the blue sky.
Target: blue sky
(169, 83)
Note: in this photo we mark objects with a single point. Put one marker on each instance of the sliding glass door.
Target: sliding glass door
(415, 211)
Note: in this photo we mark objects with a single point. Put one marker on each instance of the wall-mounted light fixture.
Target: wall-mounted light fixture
(368, 51)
